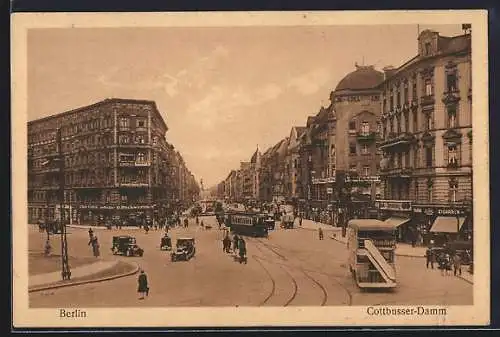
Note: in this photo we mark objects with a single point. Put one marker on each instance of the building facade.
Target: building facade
(427, 137)
(116, 163)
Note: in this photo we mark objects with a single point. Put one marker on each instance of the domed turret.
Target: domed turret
(364, 77)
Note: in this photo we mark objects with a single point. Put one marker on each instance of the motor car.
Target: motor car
(185, 249)
(126, 245)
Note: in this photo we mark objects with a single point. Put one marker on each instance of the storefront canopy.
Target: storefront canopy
(447, 224)
(396, 222)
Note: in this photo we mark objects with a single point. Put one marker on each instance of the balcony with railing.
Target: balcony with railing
(396, 140)
(427, 100)
(364, 136)
(451, 97)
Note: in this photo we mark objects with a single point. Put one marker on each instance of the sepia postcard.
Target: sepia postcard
(250, 169)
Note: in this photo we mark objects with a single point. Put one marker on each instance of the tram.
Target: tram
(372, 249)
(248, 224)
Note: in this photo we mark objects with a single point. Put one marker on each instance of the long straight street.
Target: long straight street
(290, 268)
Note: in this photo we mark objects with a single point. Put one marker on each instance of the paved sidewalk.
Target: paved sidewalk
(335, 233)
(78, 272)
(103, 227)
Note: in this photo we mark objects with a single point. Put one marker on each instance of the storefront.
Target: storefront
(399, 214)
(133, 214)
(444, 223)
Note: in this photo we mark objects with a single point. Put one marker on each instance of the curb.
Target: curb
(101, 228)
(77, 283)
(466, 280)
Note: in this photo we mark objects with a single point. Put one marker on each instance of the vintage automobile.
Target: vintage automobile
(166, 243)
(126, 245)
(184, 250)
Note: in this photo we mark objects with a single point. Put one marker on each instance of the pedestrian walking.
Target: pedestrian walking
(48, 248)
(300, 221)
(457, 265)
(242, 250)
(95, 247)
(320, 232)
(91, 233)
(235, 243)
(186, 222)
(143, 287)
(429, 258)
(445, 264)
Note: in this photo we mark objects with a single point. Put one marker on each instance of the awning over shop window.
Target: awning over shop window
(447, 224)
(396, 222)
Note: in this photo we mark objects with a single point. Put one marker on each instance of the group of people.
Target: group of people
(239, 246)
(446, 261)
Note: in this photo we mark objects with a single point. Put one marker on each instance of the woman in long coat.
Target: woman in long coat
(142, 288)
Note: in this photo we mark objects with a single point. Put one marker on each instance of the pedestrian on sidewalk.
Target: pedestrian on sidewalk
(429, 258)
(446, 264)
(457, 265)
(95, 247)
(143, 288)
(235, 243)
(48, 248)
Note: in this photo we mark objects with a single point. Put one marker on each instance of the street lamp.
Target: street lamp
(65, 273)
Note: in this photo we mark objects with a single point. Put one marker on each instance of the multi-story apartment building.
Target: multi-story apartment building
(115, 162)
(293, 185)
(427, 137)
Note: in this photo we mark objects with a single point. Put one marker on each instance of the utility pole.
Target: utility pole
(65, 273)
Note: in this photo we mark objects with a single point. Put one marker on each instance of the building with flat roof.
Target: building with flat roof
(116, 163)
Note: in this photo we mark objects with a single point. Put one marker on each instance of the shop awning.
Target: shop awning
(396, 222)
(447, 224)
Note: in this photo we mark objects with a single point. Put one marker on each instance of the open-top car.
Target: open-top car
(126, 245)
(184, 249)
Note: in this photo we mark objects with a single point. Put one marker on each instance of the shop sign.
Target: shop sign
(439, 211)
(394, 205)
(120, 207)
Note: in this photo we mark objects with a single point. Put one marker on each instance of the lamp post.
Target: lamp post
(65, 273)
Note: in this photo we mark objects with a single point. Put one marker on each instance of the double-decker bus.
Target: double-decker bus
(249, 224)
(372, 247)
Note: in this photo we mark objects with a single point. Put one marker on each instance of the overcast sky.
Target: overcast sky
(222, 91)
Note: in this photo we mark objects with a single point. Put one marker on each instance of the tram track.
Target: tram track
(273, 292)
(332, 277)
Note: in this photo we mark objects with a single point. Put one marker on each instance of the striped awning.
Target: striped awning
(447, 224)
(396, 221)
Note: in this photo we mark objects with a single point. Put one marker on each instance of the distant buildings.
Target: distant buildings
(401, 137)
(117, 163)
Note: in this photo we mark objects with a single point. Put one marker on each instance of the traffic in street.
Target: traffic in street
(287, 267)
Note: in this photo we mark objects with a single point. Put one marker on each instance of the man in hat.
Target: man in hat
(143, 288)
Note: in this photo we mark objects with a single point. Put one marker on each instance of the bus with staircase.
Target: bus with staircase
(372, 250)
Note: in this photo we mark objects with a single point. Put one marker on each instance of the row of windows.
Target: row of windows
(400, 124)
(402, 191)
(451, 157)
(395, 97)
